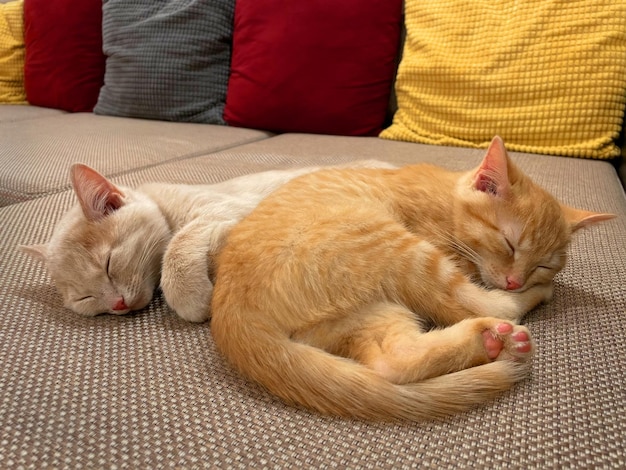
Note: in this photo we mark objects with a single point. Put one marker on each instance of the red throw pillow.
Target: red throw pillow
(64, 66)
(315, 66)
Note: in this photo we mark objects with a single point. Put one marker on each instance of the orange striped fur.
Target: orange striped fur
(328, 292)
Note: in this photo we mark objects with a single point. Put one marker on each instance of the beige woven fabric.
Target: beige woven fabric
(150, 391)
(17, 112)
(296, 150)
(36, 153)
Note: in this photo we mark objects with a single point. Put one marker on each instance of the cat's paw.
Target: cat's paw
(506, 341)
(546, 292)
(191, 300)
(192, 306)
(539, 293)
(513, 306)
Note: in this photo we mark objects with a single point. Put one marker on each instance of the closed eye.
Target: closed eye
(510, 245)
(108, 266)
(542, 269)
(88, 297)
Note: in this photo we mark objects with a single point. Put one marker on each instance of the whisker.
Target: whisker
(151, 246)
(457, 245)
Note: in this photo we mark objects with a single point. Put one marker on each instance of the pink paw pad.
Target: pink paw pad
(492, 343)
(523, 340)
(504, 328)
(502, 336)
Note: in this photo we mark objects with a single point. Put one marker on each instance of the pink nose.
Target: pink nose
(120, 304)
(512, 283)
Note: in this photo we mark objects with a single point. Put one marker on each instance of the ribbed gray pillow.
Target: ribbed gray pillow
(166, 59)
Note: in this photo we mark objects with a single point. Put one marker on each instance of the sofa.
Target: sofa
(149, 390)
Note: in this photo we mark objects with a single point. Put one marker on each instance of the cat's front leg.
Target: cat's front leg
(434, 285)
(514, 305)
(187, 265)
(524, 302)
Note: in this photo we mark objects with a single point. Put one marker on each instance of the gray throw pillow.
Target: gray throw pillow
(166, 59)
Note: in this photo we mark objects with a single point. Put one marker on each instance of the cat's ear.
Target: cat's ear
(39, 252)
(492, 176)
(578, 218)
(98, 197)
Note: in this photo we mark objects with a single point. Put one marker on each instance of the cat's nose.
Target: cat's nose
(120, 304)
(512, 283)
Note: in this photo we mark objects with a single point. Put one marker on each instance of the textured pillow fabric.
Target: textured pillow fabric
(64, 61)
(166, 59)
(12, 53)
(317, 66)
(549, 76)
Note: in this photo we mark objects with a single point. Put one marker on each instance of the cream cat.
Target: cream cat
(328, 292)
(106, 254)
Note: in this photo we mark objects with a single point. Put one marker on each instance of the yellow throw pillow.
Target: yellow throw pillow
(12, 52)
(549, 76)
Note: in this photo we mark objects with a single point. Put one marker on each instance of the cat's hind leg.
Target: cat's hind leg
(389, 339)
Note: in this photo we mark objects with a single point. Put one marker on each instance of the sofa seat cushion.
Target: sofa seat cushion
(38, 152)
(15, 112)
(155, 389)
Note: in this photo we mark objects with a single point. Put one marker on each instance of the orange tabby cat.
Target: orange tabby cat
(327, 292)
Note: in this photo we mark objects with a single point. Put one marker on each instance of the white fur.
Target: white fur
(158, 230)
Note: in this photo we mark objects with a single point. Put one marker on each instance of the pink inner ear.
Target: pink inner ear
(492, 174)
(111, 201)
(98, 197)
(486, 184)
